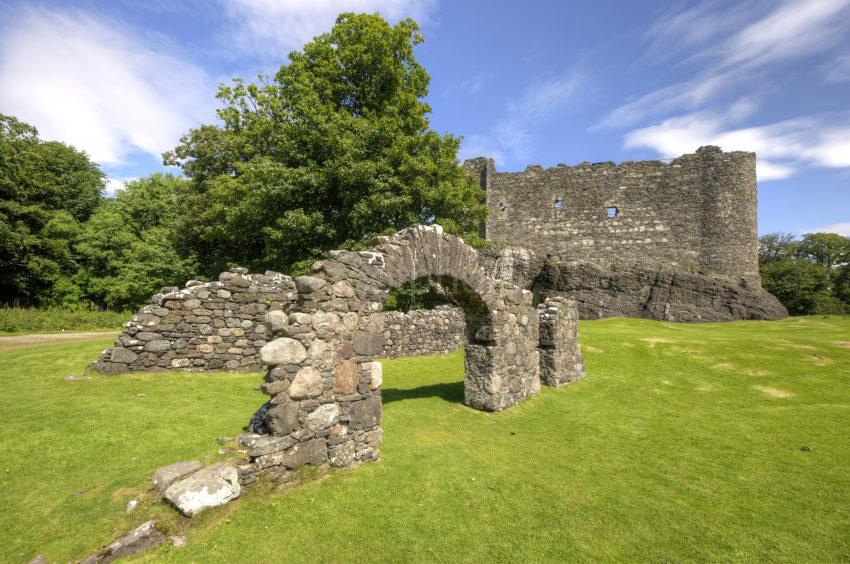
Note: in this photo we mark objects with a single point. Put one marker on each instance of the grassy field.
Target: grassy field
(684, 443)
(18, 321)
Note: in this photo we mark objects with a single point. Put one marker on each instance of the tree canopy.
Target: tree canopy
(47, 189)
(332, 150)
(810, 275)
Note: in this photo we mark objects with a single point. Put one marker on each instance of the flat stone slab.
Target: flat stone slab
(209, 487)
(167, 475)
(141, 538)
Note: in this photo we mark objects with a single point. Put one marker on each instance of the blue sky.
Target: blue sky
(537, 82)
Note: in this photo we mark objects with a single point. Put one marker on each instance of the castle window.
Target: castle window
(612, 212)
(558, 204)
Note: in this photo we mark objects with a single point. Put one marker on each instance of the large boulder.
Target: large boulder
(209, 487)
(167, 475)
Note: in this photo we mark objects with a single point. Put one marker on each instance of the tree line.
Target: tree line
(810, 275)
(332, 150)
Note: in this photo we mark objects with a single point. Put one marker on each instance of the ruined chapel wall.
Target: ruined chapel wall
(423, 331)
(695, 213)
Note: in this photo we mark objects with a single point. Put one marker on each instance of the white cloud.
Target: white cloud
(98, 85)
(794, 30)
(272, 28)
(839, 228)
(782, 147)
(510, 140)
(113, 185)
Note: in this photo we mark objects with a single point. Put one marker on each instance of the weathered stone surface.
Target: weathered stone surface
(314, 451)
(277, 320)
(308, 383)
(365, 413)
(143, 537)
(283, 351)
(167, 475)
(341, 454)
(667, 294)
(120, 354)
(376, 375)
(322, 417)
(157, 345)
(259, 445)
(367, 342)
(209, 487)
(346, 377)
(282, 419)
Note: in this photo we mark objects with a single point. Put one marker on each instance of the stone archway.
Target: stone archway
(324, 383)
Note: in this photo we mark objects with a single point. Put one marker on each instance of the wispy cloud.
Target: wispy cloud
(99, 85)
(782, 147)
(468, 86)
(272, 28)
(511, 139)
(734, 53)
(794, 30)
(837, 69)
(839, 228)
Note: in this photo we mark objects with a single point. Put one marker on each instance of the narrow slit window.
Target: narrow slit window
(612, 212)
(558, 203)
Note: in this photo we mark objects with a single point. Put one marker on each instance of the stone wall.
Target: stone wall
(323, 380)
(696, 213)
(561, 361)
(206, 326)
(424, 331)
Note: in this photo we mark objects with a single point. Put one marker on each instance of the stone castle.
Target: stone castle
(675, 241)
(696, 213)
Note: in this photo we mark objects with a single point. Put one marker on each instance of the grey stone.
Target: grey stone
(120, 354)
(143, 537)
(283, 351)
(309, 284)
(367, 343)
(167, 475)
(307, 383)
(259, 445)
(324, 416)
(282, 419)
(209, 487)
(365, 414)
(158, 345)
(341, 454)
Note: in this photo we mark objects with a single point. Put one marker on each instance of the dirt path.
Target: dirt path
(21, 341)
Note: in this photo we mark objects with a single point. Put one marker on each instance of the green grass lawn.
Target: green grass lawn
(682, 444)
(20, 321)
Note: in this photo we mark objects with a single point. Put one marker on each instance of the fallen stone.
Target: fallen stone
(131, 505)
(167, 475)
(209, 487)
(143, 537)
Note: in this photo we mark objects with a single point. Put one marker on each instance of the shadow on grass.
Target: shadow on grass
(451, 392)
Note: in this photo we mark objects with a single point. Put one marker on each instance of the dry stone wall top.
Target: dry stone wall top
(205, 326)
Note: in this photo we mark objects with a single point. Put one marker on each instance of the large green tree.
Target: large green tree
(809, 276)
(47, 190)
(131, 247)
(332, 150)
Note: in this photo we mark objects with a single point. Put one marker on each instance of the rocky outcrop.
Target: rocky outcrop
(663, 294)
